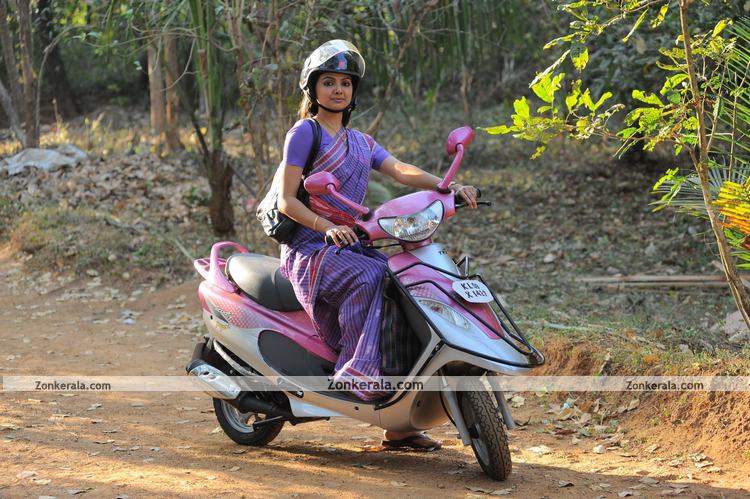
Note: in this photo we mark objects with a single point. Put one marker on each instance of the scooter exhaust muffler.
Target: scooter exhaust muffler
(218, 384)
(250, 403)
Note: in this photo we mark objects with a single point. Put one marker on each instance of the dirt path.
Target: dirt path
(168, 444)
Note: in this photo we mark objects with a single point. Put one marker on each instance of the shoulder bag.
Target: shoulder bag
(276, 225)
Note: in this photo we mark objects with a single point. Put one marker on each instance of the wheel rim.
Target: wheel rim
(475, 431)
(240, 421)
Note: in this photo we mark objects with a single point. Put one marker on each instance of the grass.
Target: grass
(8, 214)
(83, 239)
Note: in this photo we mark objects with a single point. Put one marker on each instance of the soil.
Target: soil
(132, 445)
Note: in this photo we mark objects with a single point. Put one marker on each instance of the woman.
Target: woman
(342, 293)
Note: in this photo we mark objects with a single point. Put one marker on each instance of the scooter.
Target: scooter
(258, 330)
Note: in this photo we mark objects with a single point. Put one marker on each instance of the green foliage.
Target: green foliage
(655, 118)
(703, 103)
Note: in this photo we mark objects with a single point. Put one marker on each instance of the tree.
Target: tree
(10, 99)
(49, 37)
(208, 68)
(21, 95)
(686, 113)
(172, 102)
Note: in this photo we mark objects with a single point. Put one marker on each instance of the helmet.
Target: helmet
(334, 56)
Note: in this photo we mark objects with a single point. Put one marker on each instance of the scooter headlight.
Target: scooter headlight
(415, 227)
(445, 311)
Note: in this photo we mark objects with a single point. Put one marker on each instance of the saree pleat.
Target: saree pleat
(341, 293)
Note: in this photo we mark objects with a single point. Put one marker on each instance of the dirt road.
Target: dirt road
(168, 444)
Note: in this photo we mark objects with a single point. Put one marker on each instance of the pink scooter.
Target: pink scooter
(257, 330)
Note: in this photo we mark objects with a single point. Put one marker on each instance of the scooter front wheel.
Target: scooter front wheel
(485, 425)
(239, 426)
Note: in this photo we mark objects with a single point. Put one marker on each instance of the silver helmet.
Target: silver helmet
(334, 56)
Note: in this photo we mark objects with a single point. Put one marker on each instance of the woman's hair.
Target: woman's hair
(306, 108)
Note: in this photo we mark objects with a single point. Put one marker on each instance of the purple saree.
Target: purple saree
(341, 293)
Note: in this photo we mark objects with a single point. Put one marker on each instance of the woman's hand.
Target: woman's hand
(342, 235)
(467, 192)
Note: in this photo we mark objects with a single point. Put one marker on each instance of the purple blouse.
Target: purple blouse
(299, 140)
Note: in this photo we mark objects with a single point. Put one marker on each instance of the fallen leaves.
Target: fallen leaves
(75, 492)
(540, 449)
(648, 480)
(517, 401)
(491, 492)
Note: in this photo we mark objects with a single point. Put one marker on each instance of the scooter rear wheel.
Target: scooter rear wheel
(239, 426)
(488, 439)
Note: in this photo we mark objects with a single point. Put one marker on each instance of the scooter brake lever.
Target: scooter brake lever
(479, 203)
(338, 250)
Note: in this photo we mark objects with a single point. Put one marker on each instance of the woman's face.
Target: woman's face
(334, 90)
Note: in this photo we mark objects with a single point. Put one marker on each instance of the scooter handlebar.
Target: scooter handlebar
(357, 231)
(459, 201)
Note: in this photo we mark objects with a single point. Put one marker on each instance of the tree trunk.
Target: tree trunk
(61, 90)
(414, 22)
(701, 165)
(466, 81)
(220, 205)
(208, 69)
(15, 124)
(155, 91)
(9, 56)
(171, 76)
(23, 10)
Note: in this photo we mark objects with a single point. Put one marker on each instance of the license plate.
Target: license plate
(473, 291)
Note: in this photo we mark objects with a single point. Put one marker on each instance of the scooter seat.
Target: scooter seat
(259, 277)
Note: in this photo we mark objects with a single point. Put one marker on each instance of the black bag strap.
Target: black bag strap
(317, 135)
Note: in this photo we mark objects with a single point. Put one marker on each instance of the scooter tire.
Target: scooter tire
(485, 424)
(243, 434)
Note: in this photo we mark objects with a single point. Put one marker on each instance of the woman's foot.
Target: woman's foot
(412, 440)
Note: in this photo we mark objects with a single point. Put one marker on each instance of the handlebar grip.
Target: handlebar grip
(357, 231)
(460, 200)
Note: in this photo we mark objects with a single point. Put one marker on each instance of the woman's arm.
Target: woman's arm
(295, 209)
(289, 205)
(413, 176)
(408, 175)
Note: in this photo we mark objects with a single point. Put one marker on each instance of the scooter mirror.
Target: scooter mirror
(463, 136)
(317, 183)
